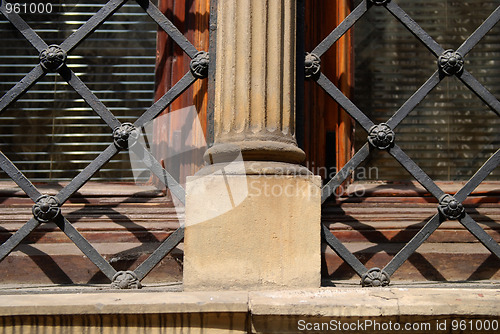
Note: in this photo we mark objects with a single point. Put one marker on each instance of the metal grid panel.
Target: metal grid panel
(381, 137)
(123, 136)
(50, 133)
(451, 132)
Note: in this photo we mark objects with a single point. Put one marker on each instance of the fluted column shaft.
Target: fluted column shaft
(255, 80)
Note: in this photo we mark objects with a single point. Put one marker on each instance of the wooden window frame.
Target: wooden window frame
(328, 130)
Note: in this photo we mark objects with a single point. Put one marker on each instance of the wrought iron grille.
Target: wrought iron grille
(122, 136)
(382, 136)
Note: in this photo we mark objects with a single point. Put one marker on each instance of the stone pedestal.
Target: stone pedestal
(253, 224)
(252, 232)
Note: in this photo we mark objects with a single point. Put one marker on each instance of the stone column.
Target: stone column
(253, 224)
(255, 80)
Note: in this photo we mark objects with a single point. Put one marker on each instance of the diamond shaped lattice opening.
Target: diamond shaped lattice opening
(445, 125)
(50, 133)
(449, 135)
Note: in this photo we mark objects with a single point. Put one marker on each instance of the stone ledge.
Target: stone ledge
(324, 302)
(126, 302)
(377, 302)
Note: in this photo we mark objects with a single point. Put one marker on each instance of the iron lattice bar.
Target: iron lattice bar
(85, 247)
(415, 100)
(11, 170)
(344, 102)
(93, 101)
(480, 32)
(414, 28)
(413, 244)
(481, 91)
(47, 208)
(15, 239)
(154, 166)
(436, 220)
(478, 177)
(382, 136)
(342, 251)
(91, 25)
(168, 27)
(186, 81)
(21, 25)
(21, 87)
(481, 235)
(345, 172)
(166, 247)
(343, 27)
(416, 171)
(78, 181)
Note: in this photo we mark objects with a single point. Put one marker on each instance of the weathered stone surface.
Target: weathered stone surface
(255, 80)
(284, 311)
(270, 237)
(376, 302)
(123, 303)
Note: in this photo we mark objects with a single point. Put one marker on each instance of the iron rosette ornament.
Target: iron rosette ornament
(199, 64)
(53, 58)
(379, 2)
(450, 208)
(46, 208)
(125, 136)
(126, 280)
(312, 65)
(381, 136)
(375, 277)
(451, 62)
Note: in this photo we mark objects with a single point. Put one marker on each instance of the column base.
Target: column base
(252, 231)
(256, 150)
